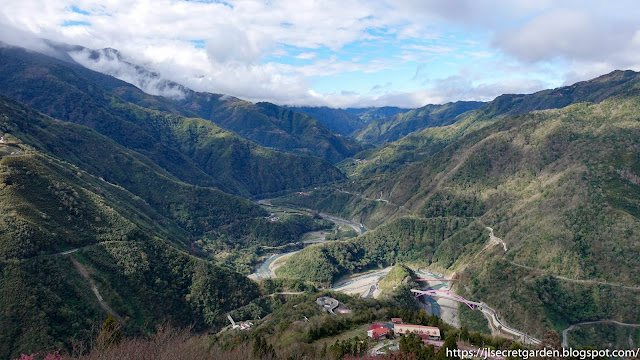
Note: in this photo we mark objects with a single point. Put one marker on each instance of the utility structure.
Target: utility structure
(233, 323)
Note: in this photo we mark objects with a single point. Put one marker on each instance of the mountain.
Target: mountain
(194, 209)
(194, 150)
(127, 190)
(338, 120)
(111, 62)
(373, 113)
(422, 144)
(386, 129)
(537, 212)
(127, 245)
(267, 124)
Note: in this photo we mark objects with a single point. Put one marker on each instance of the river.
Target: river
(263, 271)
(430, 304)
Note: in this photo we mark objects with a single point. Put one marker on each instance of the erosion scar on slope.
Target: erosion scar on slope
(85, 274)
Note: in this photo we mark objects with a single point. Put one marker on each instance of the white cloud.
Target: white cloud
(230, 44)
(576, 39)
(307, 56)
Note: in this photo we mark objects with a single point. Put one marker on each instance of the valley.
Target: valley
(512, 222)
(267, 268)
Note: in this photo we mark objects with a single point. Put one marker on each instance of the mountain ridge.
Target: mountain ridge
(194, 150)
(286, 132)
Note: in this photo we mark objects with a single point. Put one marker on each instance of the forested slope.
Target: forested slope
(560, 187)
(192, 149)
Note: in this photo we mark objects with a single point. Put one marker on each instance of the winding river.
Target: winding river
(263, 271)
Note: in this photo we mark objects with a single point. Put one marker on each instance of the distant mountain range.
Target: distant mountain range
(194, 150)
(266, 124)
(132, 188)
(382, 130)
(338, 120)
(554, 174)
(149, 184)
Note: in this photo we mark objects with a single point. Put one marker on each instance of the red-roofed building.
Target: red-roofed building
(375, 326)
(378, 333)
(426, 332)
(396, 320)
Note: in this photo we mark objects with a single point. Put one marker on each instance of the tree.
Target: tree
(412, 344)
(449, 343)
(551, 341)
(323, 352)
(262, 350)
(464, 334)
(515, 346)
(111, 333)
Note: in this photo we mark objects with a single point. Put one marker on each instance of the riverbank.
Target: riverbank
(267, 268)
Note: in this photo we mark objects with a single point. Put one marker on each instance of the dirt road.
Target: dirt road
(85, 274)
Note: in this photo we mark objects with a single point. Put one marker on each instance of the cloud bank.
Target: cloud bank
(357, 53)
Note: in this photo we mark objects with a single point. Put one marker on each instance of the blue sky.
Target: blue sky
(349, 53)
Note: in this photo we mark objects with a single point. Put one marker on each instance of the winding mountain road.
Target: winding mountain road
(579, 281)
(565, 332)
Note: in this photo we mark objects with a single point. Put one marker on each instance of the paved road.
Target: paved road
(565, 332)
(359, 228)
(492, 316)
(628, 287)
(263, 271)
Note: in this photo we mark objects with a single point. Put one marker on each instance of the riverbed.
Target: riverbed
(266, 269)
(444, 308)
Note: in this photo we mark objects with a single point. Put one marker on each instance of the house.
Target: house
(245, 325)
(272, 217)
(375, 326)
(396, 320)
(378, 333)
(426, 332)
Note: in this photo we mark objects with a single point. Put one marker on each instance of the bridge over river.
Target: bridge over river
(488, 312)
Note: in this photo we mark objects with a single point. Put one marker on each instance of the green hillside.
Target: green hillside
(49, 206)
(373, 113)
(420, 145)
(338, 120)
(195, 209)
(266, 124)
(273, 126)
(560, 187)
(384, 130)
(192, 149)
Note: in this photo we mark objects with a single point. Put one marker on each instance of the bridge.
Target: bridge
(488, 312)
(446, 293)
(434, 279)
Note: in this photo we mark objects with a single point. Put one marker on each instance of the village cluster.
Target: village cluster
(379, 331)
